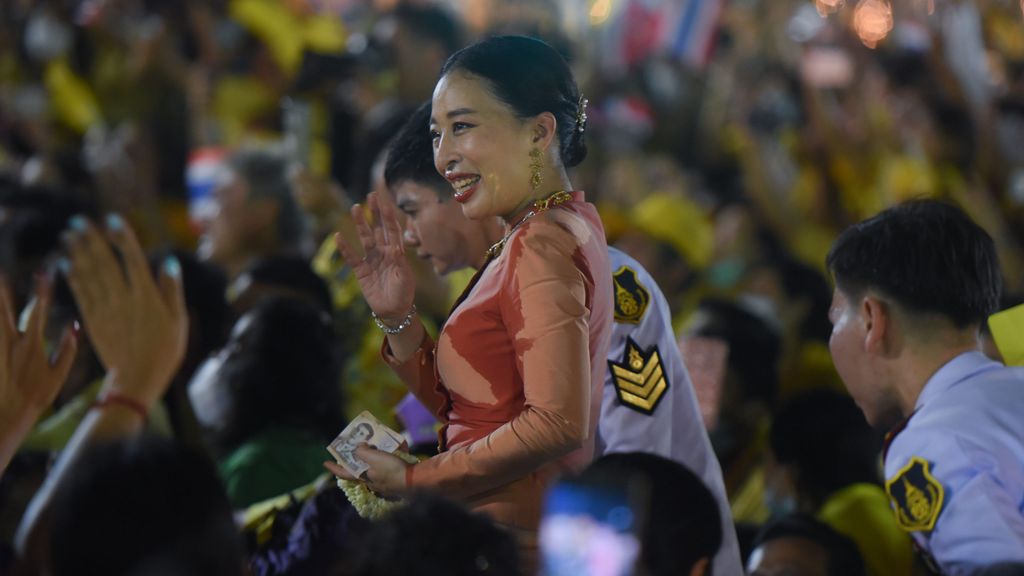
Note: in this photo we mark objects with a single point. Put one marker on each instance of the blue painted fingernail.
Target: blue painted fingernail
(172, 267)
(64, 265)
(78, 223)
(114, 222)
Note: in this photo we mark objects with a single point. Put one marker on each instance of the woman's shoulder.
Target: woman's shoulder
(566, 227)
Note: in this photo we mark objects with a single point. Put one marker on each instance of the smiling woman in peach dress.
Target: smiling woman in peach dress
(516, 373)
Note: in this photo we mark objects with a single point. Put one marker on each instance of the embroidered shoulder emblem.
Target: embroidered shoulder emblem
(639, 378)
(916, 496)
(631, 298)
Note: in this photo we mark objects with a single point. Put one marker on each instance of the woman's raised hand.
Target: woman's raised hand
(138, 325)
(30, 375)
(384, 274)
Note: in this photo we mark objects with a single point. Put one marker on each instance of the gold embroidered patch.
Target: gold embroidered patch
(916, 496)
(639, 378)
(631, 298)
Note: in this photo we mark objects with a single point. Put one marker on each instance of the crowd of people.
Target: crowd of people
(779, 333)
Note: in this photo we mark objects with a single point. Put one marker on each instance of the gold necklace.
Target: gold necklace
(539, 206)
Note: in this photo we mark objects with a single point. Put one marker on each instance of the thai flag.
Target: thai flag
(204, 173)
(692, 38)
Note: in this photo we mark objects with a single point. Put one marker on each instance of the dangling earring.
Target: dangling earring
(535, 176)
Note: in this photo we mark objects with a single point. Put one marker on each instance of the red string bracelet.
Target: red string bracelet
(115, 399)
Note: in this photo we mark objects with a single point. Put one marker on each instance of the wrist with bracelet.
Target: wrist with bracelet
(111, 398)
(397, 329)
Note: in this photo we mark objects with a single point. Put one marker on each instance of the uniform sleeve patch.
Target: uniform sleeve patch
(916, 496)
(639, 378)
(631, 298)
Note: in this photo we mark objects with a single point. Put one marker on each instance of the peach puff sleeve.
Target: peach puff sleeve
(544, 300)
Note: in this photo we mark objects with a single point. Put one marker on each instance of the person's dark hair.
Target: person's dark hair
(844, 558)
(431, 23)
(926, 255)
(367, 427)
(411, 155)
(530, 77)
(823, 434)
(290, 276)
(672, 542)
(755, 346)
(284, 372)
(160, 504)
(431, 535)
(265, 172)
(802, 282)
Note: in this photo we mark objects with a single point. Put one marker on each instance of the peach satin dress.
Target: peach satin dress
(517, 372)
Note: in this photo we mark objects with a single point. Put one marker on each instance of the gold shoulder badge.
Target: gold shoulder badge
(916, 496)
(631, 298)
(639, 378)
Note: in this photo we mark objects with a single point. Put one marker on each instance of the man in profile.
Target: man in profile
(912, 286)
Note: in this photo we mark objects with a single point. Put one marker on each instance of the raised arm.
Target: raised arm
(29, 378)
(383, 273)
(138, 326)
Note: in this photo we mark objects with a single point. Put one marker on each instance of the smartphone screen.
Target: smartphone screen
(590, 530)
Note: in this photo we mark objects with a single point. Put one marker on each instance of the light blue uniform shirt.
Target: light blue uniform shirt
(968, 427)
(673, 428)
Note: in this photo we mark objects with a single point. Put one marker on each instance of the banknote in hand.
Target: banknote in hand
(363, 428)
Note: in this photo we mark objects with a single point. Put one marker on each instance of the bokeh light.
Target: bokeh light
(872, 21)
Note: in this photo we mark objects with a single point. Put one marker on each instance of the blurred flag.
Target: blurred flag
(204, 173)
(692, 35)
(638, 30)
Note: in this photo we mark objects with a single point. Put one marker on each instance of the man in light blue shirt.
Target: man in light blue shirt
(913, 285)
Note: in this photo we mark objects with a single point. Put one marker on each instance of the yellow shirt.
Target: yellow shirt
(861, 512)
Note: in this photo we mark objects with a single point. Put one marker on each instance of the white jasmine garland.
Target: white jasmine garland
(367, 504)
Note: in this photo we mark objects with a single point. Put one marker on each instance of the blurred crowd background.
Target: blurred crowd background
(729, 142)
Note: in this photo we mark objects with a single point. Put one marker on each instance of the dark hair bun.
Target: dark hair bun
(531, 77)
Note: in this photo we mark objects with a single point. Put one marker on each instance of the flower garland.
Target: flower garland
(367, 504)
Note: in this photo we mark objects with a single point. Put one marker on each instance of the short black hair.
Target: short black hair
(431, 535)
(825, 436)
(411, 155)
(530, 77)
(844, 558)
(292, 275)
(672, 542)
(160, 503)
(755, 346)
(926, 255)
(431, 23)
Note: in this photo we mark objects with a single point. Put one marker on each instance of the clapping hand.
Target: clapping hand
(138, 325)
(30, 377)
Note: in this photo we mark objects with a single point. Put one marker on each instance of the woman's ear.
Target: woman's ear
(544, 128)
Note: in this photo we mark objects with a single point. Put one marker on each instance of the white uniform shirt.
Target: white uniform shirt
(639, 413)
(955, 472)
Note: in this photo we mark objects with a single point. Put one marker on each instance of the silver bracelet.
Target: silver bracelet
(405, 323)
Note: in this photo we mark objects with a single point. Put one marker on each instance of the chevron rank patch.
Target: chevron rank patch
(631, 298)
(916, 496)
(639, 378)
